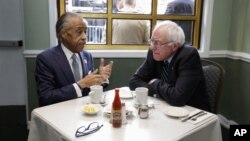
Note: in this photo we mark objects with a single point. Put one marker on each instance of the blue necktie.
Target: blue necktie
(76, 69)
(164, 72)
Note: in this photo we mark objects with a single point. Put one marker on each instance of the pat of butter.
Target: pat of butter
(89, 109)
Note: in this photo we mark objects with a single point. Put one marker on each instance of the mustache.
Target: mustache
(81, 43)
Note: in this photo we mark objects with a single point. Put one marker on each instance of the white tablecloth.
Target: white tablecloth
(59, 122)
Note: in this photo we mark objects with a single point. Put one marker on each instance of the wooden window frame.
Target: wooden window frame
(153, 17)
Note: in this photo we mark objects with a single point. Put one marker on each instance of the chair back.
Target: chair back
(214, 75)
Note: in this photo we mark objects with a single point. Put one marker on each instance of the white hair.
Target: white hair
(174, 31)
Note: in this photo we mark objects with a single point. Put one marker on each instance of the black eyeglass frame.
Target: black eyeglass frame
(88, 130)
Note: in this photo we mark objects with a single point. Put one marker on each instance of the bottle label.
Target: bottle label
(117, 116)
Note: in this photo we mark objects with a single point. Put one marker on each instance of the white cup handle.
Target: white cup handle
(91, 93)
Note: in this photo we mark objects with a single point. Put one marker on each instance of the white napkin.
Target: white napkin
(199, 119)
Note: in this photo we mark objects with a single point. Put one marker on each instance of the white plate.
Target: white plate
(91, 109)
(150, 104)
(126, 94)
(176, 112)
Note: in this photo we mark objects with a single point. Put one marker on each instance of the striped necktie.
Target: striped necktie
(76, 69)
(164, 72)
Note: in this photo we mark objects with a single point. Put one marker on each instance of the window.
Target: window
(107, 19)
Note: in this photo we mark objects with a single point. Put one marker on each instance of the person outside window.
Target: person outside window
(129, 31)
(182, 7)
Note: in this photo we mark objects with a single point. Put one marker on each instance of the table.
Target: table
(59, 122)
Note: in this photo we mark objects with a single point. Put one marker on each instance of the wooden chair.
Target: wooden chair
(214, 75)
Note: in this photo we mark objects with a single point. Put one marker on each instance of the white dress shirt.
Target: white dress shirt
(69, 54)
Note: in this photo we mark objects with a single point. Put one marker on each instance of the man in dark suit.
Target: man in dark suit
(172, 70)
(66, 71)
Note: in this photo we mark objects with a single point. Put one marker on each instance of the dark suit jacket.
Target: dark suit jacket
(54, 76)
(186, 84)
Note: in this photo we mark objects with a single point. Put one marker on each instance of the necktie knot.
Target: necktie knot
(74, 57)
(166, 63)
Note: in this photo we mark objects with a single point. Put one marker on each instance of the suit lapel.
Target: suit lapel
(64, 64)
(84, 63)
(172, 74)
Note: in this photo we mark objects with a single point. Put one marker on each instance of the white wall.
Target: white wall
(12, 62)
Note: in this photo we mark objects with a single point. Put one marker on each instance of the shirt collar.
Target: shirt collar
(67, 52)
(169, 59)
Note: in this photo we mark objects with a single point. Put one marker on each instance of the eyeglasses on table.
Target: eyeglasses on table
(91, 128)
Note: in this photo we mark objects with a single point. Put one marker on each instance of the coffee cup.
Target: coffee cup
(141, 95)
(95, 94)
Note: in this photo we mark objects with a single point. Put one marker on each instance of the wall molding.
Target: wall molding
(230, 54)
(142, 54)
(31, 53)
(100, 53)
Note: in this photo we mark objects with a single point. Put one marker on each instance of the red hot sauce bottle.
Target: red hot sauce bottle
(117, 110)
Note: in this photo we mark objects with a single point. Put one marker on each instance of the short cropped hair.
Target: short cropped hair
(63, 23)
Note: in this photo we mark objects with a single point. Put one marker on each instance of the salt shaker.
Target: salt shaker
(124, 119)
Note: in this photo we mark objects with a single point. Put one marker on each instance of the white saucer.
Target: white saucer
(150, 104)
(176, 112)
(104, 104)
(126, 94)
(91, 109)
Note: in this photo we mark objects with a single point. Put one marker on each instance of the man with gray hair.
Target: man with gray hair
(172, 70)
(66, 71)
